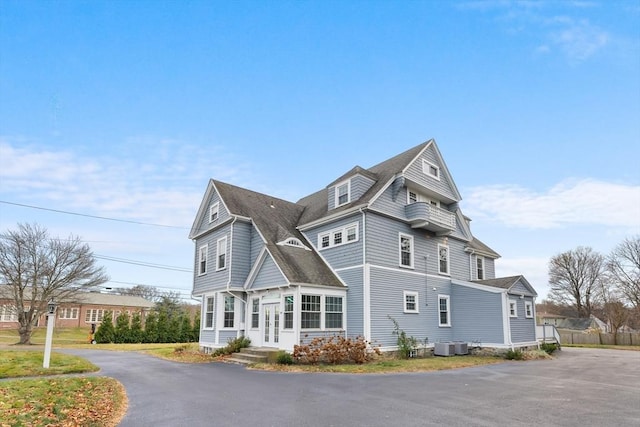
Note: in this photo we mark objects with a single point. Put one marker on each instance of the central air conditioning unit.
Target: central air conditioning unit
(444, 349)
(461, 347)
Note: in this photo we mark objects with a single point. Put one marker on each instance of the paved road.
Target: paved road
(581, 387)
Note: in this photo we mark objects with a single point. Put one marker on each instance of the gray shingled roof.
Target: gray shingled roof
(317, 204)
(478, 245)
(277, 219)
(97, 298)
(505, 282)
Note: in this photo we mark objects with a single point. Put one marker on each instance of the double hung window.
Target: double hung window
(229, 311)
(406, 250)
(208, 312)
(444, 313)
(310, 312)
(222, 254)
(443, 259)
(333, 312)
(202, 259)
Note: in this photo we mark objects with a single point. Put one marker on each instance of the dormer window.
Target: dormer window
(430, 169)
(214, 211)
(343, 193)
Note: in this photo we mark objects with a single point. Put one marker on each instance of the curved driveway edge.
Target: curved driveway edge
(580, 387)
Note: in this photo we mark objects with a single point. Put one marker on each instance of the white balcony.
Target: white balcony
(430, 217)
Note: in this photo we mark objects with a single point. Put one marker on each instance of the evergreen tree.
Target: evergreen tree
(195, 331)
(123, 331)
(173, 334)
(151, 328)
(136, 334)
(163, 327)
(185, 329)
(106, 331)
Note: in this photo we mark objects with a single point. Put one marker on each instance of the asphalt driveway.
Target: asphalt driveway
(580, 387)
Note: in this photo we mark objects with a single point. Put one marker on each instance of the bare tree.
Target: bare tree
(623, 266)
(573, 276)
(35, 268)
(147, 292)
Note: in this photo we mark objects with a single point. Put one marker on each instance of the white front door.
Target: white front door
(271, 325)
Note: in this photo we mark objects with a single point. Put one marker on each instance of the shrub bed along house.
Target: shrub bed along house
(335, 350)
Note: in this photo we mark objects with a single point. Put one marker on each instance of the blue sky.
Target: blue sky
(124, 110)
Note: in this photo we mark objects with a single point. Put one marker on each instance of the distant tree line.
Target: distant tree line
(584, 282)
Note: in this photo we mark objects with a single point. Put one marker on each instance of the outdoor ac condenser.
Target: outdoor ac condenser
(444, 349)
(461, 347)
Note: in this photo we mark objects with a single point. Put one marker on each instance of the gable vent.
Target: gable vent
(292, 241)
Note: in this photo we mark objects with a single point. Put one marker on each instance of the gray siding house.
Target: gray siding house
(385, 242)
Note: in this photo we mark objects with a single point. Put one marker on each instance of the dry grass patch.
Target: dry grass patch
(388, 365)
(87, 401)
(184, 353)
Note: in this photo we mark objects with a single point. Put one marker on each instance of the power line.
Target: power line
(143, 264)
(93, 216)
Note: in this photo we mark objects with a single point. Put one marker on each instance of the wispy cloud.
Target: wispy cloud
(165, 188)
(550, 24)
(571, 202)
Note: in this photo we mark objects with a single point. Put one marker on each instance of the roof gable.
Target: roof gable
(202, 224)
(276, 221)
(508, 283)
(428, 169)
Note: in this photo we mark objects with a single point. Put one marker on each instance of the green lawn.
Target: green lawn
(26, 363)
(60, 336)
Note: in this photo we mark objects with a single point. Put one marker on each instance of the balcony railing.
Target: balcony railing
(430, 217)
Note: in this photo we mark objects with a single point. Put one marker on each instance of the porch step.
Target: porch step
(251, 355)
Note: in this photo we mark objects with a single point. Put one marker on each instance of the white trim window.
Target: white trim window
(443, 259)
(221, 255)
(410, 302)
(310, 312)
(68, 313)
(229, 311)
(528, 309)
(339, 236)
(333, 312)
(414, 196)
(444, 310)
(202, 259)
(288, 311)
(343, 193)
(255, 313)
(430, 169)
(209, 305)
(94, 315)
(405, 250)
(513, 308)
(214, 212)
(479, 267)
(8, 313)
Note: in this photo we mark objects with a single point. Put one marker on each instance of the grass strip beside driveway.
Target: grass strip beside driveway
(80, 401)
(21, 363)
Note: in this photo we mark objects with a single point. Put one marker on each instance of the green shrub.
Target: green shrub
(407, 346)
(284, 358)
(516, 354)
(233, 346)
(549, 347)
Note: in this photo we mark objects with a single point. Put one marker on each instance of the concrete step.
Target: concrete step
(251, 355)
